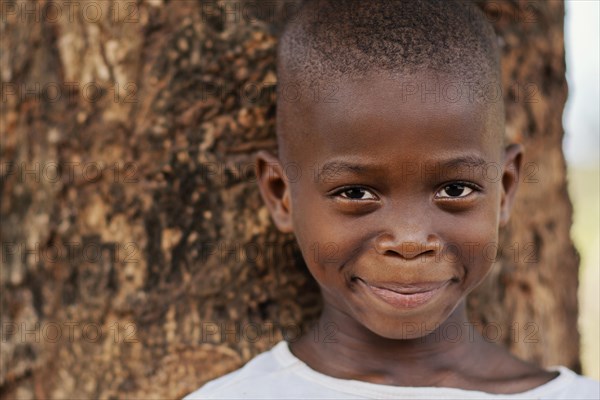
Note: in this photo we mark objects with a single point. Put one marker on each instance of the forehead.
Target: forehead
(385, 118)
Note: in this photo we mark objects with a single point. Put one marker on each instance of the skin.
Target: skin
(399, 223)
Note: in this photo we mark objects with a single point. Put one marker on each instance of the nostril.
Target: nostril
(393, 246)
(391, 253)
(409, 252)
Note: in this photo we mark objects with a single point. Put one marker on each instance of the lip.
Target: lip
(404, 295)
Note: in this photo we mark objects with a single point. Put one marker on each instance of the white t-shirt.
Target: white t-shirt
(278, 374)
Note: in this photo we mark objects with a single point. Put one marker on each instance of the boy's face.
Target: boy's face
(388, 194)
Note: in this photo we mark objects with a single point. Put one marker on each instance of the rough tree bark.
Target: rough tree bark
(133, 234)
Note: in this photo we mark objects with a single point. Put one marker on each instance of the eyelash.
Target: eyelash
(474, 187)
(338, 192)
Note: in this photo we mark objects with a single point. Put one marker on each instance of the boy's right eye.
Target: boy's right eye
(355, 193)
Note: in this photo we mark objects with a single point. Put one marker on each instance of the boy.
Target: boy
(400, 148)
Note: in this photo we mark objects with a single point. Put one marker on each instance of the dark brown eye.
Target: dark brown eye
(455, 190)
(357, 193)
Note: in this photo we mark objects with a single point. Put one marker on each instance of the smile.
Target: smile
(404, 296)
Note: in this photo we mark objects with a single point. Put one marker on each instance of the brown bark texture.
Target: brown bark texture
(134, 238)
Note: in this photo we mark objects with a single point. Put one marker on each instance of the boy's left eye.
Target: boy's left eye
(455, 190)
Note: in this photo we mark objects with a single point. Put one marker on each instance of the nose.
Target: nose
(407, 240)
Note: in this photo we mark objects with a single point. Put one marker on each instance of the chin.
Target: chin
(403, 330)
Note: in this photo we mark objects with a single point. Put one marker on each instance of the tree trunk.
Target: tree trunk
(133, 233)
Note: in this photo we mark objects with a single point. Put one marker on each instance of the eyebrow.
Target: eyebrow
(331, 168)
(468, 161)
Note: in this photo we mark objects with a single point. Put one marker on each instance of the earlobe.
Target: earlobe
(513, 158)
(274, 189)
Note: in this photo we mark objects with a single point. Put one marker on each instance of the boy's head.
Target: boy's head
(392, 171)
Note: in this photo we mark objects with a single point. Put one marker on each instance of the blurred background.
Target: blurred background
(129, 282)
(582, 147)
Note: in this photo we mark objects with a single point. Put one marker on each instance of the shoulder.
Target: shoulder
(256, 376)
(570, 385)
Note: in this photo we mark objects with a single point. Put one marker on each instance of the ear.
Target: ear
(274, 189)
(513, 157)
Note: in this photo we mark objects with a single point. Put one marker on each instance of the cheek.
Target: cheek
(326, 241)
(313, 231)
(478, 246)
(471, 238)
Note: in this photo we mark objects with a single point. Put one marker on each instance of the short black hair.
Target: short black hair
(328, 37)
(332, 39)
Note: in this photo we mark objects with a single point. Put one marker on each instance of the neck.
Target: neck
(343, 348)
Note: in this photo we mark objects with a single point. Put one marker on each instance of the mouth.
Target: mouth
(404, 295)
